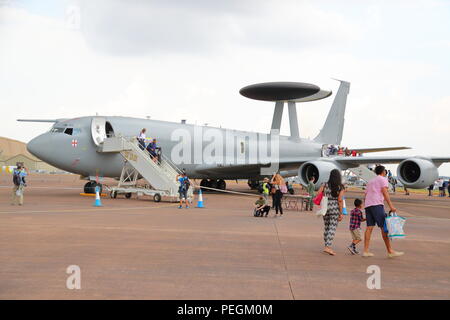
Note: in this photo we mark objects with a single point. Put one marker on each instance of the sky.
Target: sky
(174, 59)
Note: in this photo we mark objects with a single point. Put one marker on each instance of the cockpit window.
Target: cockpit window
(68, 131)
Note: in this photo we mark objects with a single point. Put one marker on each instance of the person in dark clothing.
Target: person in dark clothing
(445, 187)
(278, 196)
(141, 138)
(448, 188)
(430, 190)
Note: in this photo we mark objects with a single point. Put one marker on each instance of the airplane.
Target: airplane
(73, 144)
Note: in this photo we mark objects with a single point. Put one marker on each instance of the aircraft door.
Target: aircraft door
(98, 129)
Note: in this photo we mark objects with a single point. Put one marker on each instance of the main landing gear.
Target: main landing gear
(213, 183)
(253, 184)
(89, 187)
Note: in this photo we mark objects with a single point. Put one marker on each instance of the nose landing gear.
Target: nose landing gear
(89, 187)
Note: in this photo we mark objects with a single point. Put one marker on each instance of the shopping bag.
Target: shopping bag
(318, 198)
(283, 188)
(322, 209)
(394, 225)
(19, 192)
(344, 207)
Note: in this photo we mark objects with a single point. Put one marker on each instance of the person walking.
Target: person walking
(448, 188)
(430, 190)
(277, 181)
(19, 175)
(356, 217)
(311, 188)
(440, 186)
(334, 190)
(376, 194)
(141, 139)
(444, 187)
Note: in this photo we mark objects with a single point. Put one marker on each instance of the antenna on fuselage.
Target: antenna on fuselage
(282, 92)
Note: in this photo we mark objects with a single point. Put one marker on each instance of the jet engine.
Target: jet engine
(417, 173)
(319, 169)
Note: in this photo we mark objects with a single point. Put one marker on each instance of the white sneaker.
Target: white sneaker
(395, 254)
(367, 254)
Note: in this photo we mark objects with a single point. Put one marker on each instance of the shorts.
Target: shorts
(356, 234)
(183, 194)
(375, 214)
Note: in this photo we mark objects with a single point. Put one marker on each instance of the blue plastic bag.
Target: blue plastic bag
(394, 226)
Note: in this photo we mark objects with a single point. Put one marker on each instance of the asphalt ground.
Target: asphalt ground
(139, 249)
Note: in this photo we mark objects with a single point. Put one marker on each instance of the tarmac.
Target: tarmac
(139, 249)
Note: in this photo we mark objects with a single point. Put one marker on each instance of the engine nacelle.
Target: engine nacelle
(417, 173)
(319, 169)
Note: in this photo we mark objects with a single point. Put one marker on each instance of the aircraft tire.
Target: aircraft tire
(128, 195)
(204, 183)
(212, 183)
(221, 184)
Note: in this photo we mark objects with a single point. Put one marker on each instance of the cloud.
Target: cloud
(158, 27)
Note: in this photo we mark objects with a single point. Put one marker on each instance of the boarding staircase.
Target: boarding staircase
(363, 172)
(160, 173)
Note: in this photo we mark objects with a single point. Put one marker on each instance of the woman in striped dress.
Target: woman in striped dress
(334, 190)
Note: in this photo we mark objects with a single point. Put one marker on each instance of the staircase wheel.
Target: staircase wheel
(157, 197)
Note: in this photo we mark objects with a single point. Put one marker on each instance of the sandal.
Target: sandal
(331, 253)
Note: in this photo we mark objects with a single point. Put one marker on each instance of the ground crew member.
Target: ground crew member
(19, 175)
(266, 189)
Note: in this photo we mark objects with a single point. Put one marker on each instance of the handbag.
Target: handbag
(317, 199)
(283, 188)
(394, 225)
(323, 208)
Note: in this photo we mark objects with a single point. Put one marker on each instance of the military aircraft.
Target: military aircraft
(73, 144)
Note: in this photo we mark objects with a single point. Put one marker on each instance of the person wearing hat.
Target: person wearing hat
(183, 188)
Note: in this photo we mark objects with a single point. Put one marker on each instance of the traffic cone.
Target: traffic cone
(98, 202)
(200, 199)
(344, 207)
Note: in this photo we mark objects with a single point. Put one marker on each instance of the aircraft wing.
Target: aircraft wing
(40, 120)
(294, 164)
(287, 164)
(356, 161)
(368, 150)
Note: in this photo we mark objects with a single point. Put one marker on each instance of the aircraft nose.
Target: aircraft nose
(37, 146)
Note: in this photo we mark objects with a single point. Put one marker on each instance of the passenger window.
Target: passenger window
(242, 147)
(57, 130)
(68, 131)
